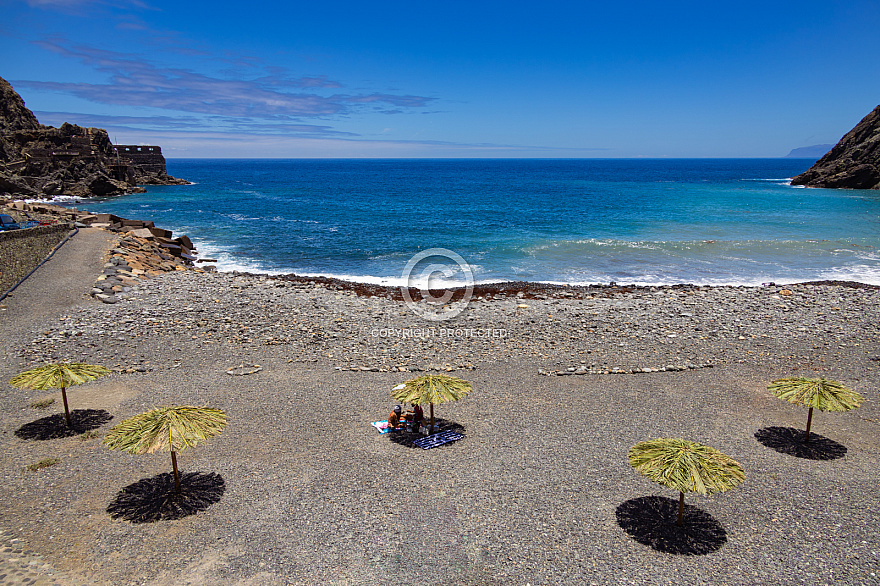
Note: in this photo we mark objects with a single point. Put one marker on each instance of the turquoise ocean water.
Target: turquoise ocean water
(702, 221)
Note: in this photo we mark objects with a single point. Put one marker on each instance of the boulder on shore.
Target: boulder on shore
(854, 163)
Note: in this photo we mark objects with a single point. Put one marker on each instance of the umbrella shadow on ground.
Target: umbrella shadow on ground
(55, 426)
(406, 438)
(652, 521)
(788, 440)
(154, 499)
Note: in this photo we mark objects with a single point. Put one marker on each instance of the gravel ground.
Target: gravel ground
(300, 489)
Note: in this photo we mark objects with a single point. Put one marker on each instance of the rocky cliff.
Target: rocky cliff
(42, 161)
(853, 163)
(14, 115)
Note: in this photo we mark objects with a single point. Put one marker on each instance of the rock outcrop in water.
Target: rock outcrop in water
(853, 163)
(42, 161)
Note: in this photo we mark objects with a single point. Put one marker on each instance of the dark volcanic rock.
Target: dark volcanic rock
(100, 184)
(853, 163)
(158, 178)
(14, 184)
(71, 160)
(14, 115)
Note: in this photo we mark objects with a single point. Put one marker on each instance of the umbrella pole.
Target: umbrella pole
(680, 509)
(66, 410)
(432, 417)
(809, 421)
(176, 474)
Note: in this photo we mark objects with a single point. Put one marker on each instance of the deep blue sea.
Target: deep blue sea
(630, 221)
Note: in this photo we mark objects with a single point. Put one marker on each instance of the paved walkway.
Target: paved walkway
(59, 285)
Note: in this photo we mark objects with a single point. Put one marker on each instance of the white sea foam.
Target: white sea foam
(242, 218)
(401, 281)
(860, 273)
(746, 263)
(228, 261)
(57, 199)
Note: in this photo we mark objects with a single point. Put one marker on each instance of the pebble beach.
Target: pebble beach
(539, 491)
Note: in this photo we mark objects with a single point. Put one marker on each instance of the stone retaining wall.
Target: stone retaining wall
(22, 250)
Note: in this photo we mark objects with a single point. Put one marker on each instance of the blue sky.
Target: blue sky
(448, 79)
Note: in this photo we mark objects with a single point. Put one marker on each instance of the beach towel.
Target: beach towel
(382, 426)
(438, 439)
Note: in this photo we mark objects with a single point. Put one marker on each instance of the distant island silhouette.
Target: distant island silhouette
(816, 151)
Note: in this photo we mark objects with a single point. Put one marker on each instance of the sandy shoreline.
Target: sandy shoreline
(538, 490)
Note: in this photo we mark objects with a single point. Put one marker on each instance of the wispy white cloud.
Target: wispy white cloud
(223, 137)
(238, 145)
(105, 121)
(205, 124)
(394, 100)
(134, 81)
(57, 3)
(69, 5)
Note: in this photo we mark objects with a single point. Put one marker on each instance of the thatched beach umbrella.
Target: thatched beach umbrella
(686, 467)
(168, 429)
(58, 376)
(430, 389)
(823, 394)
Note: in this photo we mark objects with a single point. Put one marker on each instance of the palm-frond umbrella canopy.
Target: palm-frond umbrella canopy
(686, 466)
(58, 375)
(819, 393)
(431, 389)
(168, 429)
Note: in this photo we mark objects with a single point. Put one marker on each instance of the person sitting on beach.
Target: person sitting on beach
(416, 415)
(394, 421)
(414, 418)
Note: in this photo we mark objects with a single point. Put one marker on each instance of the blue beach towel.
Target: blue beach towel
(438, 439)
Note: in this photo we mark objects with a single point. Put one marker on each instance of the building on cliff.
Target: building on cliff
(147, 158)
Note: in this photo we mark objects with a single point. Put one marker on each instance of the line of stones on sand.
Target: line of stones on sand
(581, 369)
(139, 257)
(244, 369)
(406, 368)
